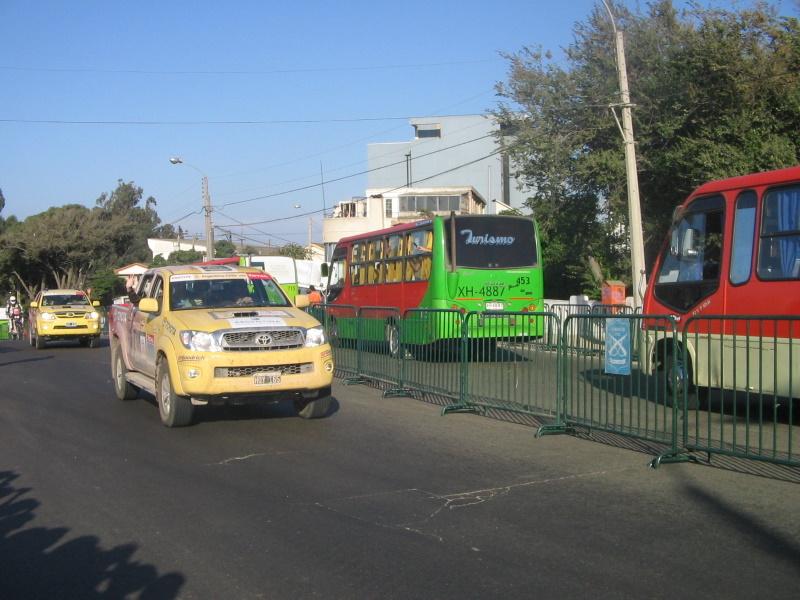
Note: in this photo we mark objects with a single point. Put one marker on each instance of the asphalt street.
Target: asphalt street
(384, 498)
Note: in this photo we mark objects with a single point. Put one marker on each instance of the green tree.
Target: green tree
(295, 251)
(224, 249)
(69, 245)
(185, 257)
(716, 93)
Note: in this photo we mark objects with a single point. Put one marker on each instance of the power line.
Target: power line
(184, 123)
(244, 71)
(238, 222)
(316, 185)
(314, 212)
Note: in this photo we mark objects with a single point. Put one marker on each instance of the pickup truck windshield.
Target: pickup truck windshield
(64, 299)
(225, 293)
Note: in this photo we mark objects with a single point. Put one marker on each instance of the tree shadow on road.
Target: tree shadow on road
(40, 562)
(759, 533)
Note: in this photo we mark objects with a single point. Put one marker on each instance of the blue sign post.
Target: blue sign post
(618, 347)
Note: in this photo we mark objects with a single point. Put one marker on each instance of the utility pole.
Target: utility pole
(209, 224)
(177, 160)
(639, 275)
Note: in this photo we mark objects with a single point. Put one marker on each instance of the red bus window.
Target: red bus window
(779, 251)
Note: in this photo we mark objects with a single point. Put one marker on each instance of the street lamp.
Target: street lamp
(634, 209)
(177, 160)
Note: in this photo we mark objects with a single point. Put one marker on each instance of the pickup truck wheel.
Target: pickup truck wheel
(175, 411)
(314, 409)
(40, 343)
(94, 342)
(123, 388)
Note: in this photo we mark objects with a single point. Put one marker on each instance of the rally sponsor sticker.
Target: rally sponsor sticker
(207, 276)
(240, 322)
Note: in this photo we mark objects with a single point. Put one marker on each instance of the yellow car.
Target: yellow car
(63, 315)
(199, 334)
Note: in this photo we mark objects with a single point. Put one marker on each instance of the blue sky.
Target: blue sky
(199, 62)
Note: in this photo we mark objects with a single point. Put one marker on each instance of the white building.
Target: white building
(454, 151)
(452, 164)
(386, 207)
(163, 248)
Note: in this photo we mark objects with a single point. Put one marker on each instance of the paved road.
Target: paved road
(383, 499)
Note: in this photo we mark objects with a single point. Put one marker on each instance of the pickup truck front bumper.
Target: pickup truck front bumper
(206, 376)
(56, 330)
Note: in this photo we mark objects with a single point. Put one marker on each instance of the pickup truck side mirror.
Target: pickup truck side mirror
(301, 301)
(34, 305)
(95, 302)
(148, 305)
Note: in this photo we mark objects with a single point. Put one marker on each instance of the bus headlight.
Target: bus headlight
(315, 337)
(199, 341)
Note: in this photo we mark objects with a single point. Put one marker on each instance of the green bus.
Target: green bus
(420, 282)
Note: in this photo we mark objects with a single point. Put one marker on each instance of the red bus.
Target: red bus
(729, 271)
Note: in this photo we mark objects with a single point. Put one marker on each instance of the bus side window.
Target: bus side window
(395, 249)
(394, 271)
(744, 227)
(418, 268)
(779, 247)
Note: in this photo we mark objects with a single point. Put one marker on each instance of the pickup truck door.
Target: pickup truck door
(144, 329)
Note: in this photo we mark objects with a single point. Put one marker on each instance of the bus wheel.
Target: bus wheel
(393, 338)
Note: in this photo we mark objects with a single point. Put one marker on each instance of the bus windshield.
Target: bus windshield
(492, 242)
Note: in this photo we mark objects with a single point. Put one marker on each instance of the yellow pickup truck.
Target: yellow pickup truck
(199, 334)
(63, 314)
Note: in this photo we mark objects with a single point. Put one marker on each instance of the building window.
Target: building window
(433, 130)
(441, 204)
(388, 208)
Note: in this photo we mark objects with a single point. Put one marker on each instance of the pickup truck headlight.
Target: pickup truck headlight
(199, 341)
(93, 316)
(46, 316)
(315, 337)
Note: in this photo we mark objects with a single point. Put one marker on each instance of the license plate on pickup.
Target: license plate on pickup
(70, 324)
(494, 306)
(266, 379)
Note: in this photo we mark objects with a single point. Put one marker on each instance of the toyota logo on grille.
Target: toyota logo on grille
(263, 339)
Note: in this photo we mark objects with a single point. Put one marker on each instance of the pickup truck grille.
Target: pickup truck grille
(70, 314)
(296, 369)
(265, 339)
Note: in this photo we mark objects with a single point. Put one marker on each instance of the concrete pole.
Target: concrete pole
(209, 224)
(634, 209)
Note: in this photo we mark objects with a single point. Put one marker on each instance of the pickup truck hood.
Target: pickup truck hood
(240, 318)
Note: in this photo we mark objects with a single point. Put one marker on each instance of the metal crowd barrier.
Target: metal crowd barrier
(718, 385)
(607, 384)
(743, 397)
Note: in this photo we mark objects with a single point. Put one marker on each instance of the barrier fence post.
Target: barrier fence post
(358, 377)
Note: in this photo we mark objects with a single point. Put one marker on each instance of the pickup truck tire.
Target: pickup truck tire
(40, 343)
(94, 342)
(175, 411)
(314, 409)
(122, 387)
